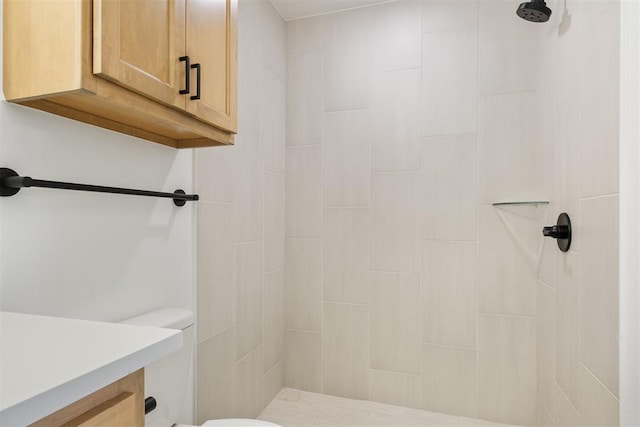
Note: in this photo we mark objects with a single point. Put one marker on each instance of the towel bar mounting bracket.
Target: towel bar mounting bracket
(7, 191)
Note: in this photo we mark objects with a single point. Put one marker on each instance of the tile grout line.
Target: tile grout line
(600, 383)
(459, 347)
(514, 316)
(477, 216)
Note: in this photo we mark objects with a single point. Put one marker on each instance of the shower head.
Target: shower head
(534, 11)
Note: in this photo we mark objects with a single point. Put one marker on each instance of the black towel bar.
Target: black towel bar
(11, 182)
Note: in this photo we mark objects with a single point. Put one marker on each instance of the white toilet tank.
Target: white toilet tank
(170, 380)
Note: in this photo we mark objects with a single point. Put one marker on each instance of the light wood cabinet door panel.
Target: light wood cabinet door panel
(138, 43)
(211, 41)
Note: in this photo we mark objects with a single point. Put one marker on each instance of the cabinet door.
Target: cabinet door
(138, 43)
(211, 31)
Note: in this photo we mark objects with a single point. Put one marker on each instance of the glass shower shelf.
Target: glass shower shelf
(523, 203)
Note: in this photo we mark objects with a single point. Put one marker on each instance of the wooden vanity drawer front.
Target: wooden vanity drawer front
(119, 404)
(119, 411)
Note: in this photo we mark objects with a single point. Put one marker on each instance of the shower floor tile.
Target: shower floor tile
(295, 408)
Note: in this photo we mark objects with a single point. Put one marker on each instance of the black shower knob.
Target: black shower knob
(561, 232)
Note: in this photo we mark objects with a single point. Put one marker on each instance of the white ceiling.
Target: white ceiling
(296, 9)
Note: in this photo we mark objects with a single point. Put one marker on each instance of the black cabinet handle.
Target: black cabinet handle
(198, 72)
(187, 79)
(150, 404)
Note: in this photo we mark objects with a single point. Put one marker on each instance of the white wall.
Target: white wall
(84, 255)
(629, 214)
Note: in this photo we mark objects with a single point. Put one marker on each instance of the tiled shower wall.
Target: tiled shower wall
(403, 284)
(240, 233)
(578, 366)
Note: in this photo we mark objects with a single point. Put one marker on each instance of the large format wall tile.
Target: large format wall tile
(272, 123)
(449, 293)
(598, 406)
(546, 324)
(543, 418)
(216, 377)
(567, 167)
(273, 345)
(508, 50)
(274, 221)
(394, 388)
(449, 380)
(272, 383)
(450, 81)
(395, 121)
(507, 141)
(599, 289)
(546, 259)
(507, 369)
(507, 243)
(601, 105)
(449, 188)
(394, 245)
(347, 60)
(345, 163)
(303, 285)
(304, 35)
(249, 384)
(561, 409)
(304, 192)
(215, 268)
(567, 355)
(249, 187)
(274, 40)
(304, 98)
(346, 255)
(250, 66)
(214, 174)
(396, 39)
(555, 340)
(568, 56)
(249, 297)
(394, 331)
(345, 346)
(303, 360)
(547, 111)
(439, 15)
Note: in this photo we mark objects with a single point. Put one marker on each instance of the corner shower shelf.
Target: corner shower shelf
(523, 203)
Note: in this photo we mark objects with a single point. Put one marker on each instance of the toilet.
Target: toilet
(170, 380)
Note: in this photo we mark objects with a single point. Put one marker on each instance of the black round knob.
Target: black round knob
(561, 231)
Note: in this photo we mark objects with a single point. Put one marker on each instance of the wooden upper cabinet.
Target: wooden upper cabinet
(183, 53)
(117, 64)
(138, 44)
(211, 40)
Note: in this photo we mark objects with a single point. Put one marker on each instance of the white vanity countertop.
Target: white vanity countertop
(46, 363)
